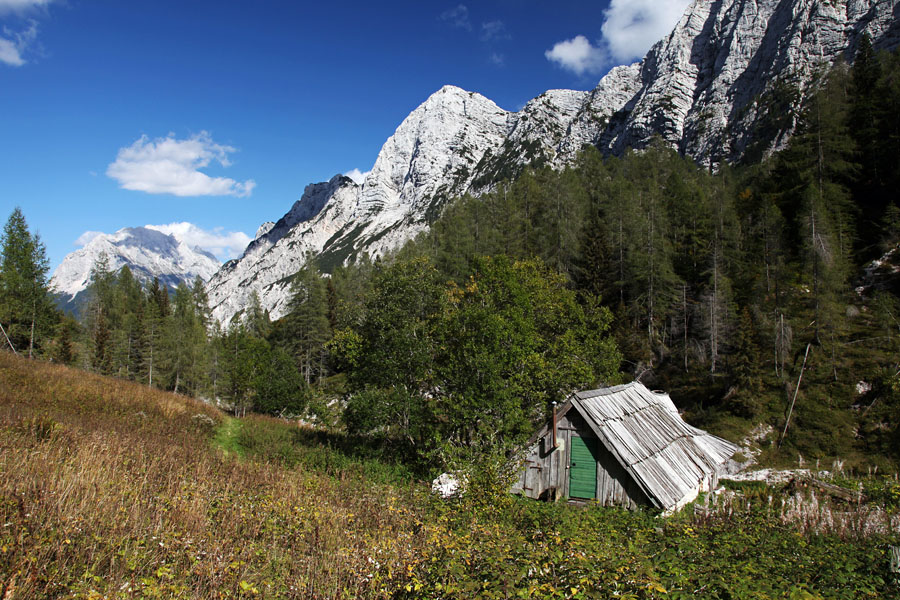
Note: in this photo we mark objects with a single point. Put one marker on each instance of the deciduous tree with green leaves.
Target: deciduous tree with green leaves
(474, 363)
(513, 340)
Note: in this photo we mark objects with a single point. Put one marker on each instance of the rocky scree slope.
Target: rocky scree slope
(147, 252)
(710, 89)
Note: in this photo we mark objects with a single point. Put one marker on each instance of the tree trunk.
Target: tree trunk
(31, 339)
(685, 324)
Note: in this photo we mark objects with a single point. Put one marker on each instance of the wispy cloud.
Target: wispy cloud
(170, 166)
(494, 31)
(14, 44)
(85, 238)
(224, 245)
(17, 40)
(458, 16)
(21, 6)
(630, 28)
(356, 175)
(490, 33)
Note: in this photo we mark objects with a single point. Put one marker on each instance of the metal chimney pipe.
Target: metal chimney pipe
(555, 442)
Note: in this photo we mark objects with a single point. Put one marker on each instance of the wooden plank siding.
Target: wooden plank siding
(545, 475)
(645, 453)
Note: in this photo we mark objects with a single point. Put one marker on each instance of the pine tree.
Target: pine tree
(189, 334)
(653, 279)
(238, 363)
(745, 370)
(124, 322)
(718, 312)
(256, 320)
(156, 315)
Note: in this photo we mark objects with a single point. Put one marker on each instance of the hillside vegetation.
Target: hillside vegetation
(762, 296)
(110, 489)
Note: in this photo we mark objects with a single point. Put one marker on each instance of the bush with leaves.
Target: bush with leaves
(432, 362)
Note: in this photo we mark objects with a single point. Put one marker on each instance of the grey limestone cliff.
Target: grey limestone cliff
(707, 89)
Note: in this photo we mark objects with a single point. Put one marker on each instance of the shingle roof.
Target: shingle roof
(643, 430)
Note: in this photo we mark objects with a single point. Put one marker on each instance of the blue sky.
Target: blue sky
(216, 115)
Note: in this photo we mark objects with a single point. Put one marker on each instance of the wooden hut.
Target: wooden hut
(622, 446)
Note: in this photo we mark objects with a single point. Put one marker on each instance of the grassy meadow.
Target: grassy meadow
(109, 489)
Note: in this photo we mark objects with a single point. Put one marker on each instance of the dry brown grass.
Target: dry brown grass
(110, 489)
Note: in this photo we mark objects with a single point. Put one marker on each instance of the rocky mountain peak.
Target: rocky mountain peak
(707, 86)
(148, 253)
(708, 89)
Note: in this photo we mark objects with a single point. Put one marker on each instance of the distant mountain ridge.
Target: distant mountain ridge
(147, 252)
(705, 89)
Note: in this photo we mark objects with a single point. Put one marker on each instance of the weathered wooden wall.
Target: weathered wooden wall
(545, 474)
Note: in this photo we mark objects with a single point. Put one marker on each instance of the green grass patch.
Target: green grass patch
(227, 436)
(333, 454)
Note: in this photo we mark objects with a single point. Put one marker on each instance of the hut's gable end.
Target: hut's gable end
(543, 474)
(546, 472)
(646, 453)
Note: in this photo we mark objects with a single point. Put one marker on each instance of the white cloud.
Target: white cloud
(576, 55)
(85, 238)
(20, 6)
(14, 45)
(457, 17)
(10, 54)
(631, 27)
(498, 60)
(224, 245)
(170, 166)
(356, 175)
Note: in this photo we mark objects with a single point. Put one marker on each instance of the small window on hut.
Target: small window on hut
(546, 446)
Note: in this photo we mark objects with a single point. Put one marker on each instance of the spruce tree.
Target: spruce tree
(100, 306)
(26, 311)
(156, 316)
(63, 349)
(865, 126)
(307, 327)
(813, 174)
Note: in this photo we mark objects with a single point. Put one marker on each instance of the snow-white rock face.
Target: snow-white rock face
(264, 229)
(708, 86)
(705, 89)
(440, 151)
(147, 252)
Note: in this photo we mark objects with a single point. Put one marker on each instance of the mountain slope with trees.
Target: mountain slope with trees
(720, 88)
(744, 292)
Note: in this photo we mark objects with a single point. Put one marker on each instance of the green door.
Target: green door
(582, 467)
